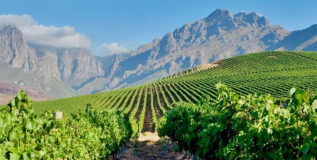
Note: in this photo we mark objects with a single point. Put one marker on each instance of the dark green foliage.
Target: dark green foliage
(245, 127)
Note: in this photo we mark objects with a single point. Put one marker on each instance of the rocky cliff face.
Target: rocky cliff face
(78, 65)
(14, 49)
(55, 70)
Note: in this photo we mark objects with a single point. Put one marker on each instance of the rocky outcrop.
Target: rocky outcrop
(47, 63)
(14, 50)
(51, 66)
(78, 65)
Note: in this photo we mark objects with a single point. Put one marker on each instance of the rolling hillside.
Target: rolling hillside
(265, 72)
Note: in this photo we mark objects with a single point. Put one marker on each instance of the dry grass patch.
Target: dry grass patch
(149, 136)
(272, 56)
(209, 65)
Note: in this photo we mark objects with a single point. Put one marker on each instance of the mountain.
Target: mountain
(218, 36)
(305, 40)
(78, 65)
(14, 49)
(63, 72)
(58, 72)
(20, 65)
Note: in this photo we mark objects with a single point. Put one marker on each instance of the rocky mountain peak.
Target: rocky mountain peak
(11, 32)
(9, 29)
(218, 15)
(15, 50)
(251, 19)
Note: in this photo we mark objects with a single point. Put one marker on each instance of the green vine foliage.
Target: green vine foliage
(245, 127)
(88, 135)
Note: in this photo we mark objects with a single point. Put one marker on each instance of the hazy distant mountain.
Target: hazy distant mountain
(299, 40)
(69, 71)
(54, 71)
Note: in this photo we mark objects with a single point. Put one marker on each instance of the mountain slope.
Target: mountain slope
(14, 49)
(75, 71)
(21, 65)
(220, 35)
(58, 72)
(78, 65)
(272, 73)
(305, 40)
(9, 91)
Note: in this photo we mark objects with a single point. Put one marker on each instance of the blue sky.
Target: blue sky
(130, 23)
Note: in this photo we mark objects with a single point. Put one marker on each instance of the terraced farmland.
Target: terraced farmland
(266, 72)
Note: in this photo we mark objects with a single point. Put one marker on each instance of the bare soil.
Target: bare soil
(179, 94)
(166, 95)
(140, 107)
(156, 106)
(149, 146)
(148, 119)
(161, 99)
(209, 65)
(170, 87)
(8, 91)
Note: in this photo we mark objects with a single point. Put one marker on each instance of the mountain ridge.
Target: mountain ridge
(219, 35)
(195, 34)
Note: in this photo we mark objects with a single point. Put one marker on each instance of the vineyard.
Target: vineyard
(87, 135)
(266, 72)
(245, 127)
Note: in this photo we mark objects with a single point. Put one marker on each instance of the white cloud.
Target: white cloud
(113, 48)
(61, 37)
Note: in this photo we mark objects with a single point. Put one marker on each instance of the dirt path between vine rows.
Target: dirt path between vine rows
(149, 146)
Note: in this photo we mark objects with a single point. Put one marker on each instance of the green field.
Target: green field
(266, 72)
